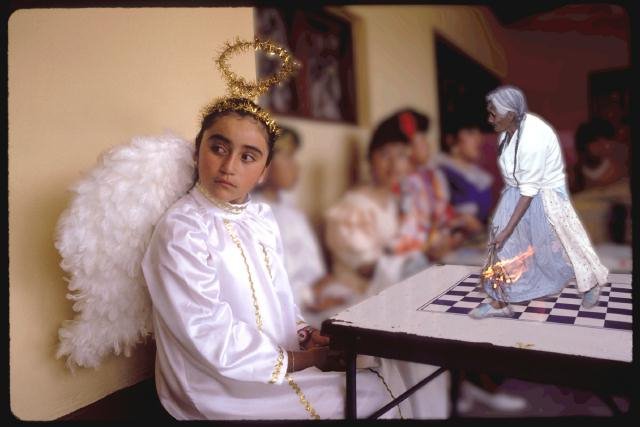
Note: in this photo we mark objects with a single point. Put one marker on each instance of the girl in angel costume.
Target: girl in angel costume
(231, 343)
(534, 214)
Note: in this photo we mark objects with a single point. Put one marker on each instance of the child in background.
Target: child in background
(602, 161)
(371, 244)
(469, 184)
(303, 258)
(427, 189)
(600, 181)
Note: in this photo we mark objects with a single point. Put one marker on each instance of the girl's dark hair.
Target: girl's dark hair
(422, 121)
(209, 119)
(386, 133)
(592, 130)
(453, 127)
(284, 131)
(394, 129)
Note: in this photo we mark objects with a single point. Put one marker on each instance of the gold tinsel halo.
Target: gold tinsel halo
(242, 93)
(247, 105)
(238, 86)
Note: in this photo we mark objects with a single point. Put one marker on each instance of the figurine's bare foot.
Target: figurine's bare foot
(487, 310)
(590, 298)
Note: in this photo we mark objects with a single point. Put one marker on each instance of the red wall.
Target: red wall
(552, 69)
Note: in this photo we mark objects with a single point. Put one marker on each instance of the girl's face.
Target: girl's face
(499, 122)
(419, 148)
(390, 164)
(468, 144)
(232, 157)
(600, 148)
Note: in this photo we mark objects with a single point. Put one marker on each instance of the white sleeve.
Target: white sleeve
(315, 267)
(185, 292)
(302, 257)
(443, 184)
(351, 233)
(531, 164)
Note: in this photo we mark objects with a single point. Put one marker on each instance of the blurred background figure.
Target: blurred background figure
(303, 258)
(427, 189)
(372, 246)
(602, 160)
(600, 183)
(469, 184)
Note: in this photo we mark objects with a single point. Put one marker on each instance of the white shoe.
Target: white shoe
(485, 310)
(465, 404)
(498, 401)
(590, 298)
(507, 402)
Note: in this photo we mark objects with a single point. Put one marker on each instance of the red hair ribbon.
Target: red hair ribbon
(407, 123)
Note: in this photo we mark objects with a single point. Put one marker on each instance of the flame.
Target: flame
(509, 270)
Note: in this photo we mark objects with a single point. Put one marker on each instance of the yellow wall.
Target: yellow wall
(395, 68)
(82, 80)
(399, 44)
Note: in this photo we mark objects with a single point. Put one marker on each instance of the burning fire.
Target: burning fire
(507, 271)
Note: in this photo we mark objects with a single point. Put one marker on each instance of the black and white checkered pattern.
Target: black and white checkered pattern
(613, 311)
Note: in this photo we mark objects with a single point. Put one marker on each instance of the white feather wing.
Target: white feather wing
(102, 237)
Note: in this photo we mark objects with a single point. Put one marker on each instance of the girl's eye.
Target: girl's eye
(247, 157)
(218, 149)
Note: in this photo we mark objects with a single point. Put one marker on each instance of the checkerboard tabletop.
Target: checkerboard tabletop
(613, 311)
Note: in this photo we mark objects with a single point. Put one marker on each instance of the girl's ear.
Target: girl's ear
(195, 166)
(263, 176)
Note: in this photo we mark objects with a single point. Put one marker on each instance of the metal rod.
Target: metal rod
(406, 394)
(608, 400)
(454, 392)
(351, 404)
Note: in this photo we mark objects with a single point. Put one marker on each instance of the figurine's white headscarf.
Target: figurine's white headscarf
(508, 98)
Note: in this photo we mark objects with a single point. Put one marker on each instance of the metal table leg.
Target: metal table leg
(351, 408)
(454, 392)
(608, 400)
(406, 394)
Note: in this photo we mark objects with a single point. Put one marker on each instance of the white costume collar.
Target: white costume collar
(228, 208)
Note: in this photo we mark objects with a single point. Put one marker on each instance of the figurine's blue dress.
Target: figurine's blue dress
(539, 168)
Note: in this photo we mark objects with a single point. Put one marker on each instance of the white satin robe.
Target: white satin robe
(213, 360)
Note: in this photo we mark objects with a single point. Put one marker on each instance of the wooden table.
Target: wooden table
(397, 323)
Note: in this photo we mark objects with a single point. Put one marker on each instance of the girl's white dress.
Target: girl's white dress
(224, 317)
